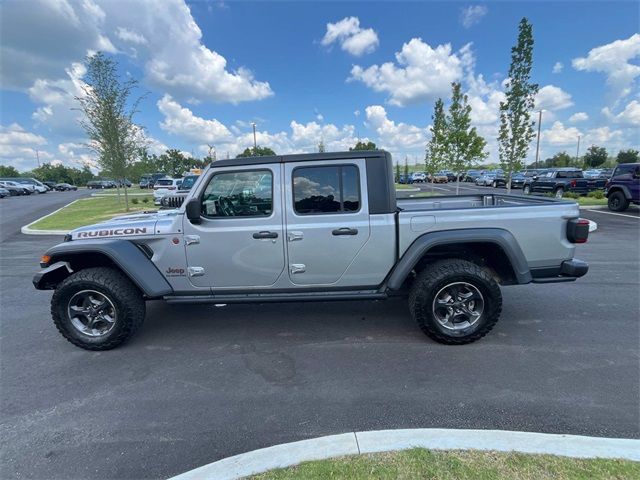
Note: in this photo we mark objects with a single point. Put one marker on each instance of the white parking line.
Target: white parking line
(612, 213)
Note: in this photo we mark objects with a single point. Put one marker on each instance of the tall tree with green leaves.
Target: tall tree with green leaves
(364, 146)
(108, 109)
(437, 145)
(256, 152)
(464, 146)
(516, 126)
(397, 172)
(595, 156)
(627, 156)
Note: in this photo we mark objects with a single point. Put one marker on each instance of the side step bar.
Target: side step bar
(279, 297)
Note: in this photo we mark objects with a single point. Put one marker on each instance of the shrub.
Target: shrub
(571, 195)
(135, 201)
(145, 200)
(599, 194)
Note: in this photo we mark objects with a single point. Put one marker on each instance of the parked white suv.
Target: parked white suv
(164, 186)
(418, 177)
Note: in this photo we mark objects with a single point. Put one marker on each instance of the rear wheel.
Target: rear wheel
(559, 193)
(97, 308)
(494, 184)
(455, 301)
(526, 190)
(617, 202)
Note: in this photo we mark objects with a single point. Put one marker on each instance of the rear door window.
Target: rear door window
(326, 190)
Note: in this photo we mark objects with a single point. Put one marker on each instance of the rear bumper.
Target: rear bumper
(568, 271)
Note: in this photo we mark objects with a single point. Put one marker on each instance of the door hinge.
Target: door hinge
(297, 268)
(191, 239)
(293, 236)
(195, 271)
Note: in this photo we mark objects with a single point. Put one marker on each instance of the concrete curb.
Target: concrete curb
(27, 230)
(358, 443)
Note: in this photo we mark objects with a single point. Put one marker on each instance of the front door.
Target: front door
(239, 241)
(327, 221)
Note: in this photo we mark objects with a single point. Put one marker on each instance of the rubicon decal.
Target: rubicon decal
(114, 232)
(175, 272)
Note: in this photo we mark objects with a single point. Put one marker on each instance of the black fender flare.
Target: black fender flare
(623, 188)
(497, 236)
(126, 256)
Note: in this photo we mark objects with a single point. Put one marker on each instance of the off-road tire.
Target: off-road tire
(125, 296)
(434, 277)
(617, 202)
(494, 184)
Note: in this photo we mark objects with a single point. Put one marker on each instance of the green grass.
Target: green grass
(404, 186)
(90, 210)
(420, 463)
(134, 190)
(590, 201)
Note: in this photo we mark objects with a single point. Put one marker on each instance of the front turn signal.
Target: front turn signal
(44, 261)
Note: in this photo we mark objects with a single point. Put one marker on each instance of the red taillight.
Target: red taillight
(573, 183)
(578, 230)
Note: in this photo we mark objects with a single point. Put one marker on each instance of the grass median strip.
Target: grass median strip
(90, 210)
(457, 464)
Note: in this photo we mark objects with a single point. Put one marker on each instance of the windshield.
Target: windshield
(188, 182)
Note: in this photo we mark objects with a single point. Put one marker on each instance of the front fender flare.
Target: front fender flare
(497, 236)
(123, 253)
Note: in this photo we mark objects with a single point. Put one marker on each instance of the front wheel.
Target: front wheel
(617, 202)
(559, 193)
(455, 301)
(526, 190)
(97, 308)
(494, 184)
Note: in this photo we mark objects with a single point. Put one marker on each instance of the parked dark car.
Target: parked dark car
(51, 185)
(144, 181)
(562, 180)
(123, 182)
(4, 192)
(517, 180)
(623, 187)
(64, 187)
(405, 179)
(471, 175)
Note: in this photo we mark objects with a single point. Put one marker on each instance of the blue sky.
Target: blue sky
(310, 70)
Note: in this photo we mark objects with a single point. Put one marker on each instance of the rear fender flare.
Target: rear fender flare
(497, 236)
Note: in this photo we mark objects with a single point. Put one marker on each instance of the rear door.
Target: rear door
(327, 220)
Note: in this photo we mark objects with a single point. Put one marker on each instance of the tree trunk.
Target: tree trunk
(126, 197)
(508, 185)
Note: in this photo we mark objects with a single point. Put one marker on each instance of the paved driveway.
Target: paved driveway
(200, 383)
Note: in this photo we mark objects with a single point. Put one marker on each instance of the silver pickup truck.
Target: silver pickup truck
(312, 227)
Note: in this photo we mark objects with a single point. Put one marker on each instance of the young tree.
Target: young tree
(516, 126)
(108, 117)
(627, 156)
(321, 146)
(397, 172)
(256, 152)
(406, 168)
(595, 156)
(436, 148)
(464, 147)
(364, 146)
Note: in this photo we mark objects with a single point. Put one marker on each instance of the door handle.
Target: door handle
(265, 234)
(345, 231)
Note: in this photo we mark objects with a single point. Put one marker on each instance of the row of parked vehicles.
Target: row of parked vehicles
(19, 186)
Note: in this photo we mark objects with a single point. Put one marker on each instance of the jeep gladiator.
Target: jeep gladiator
(311, 227)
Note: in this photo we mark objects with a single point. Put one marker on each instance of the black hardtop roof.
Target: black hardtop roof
(565, 169)
(624, 165)
(301, 157)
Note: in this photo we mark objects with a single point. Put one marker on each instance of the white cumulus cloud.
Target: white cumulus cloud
(422, 73)
(553, 98)
(614, 60)
(351, 37)
(472, 15)
(629, 116)
(395, 136)
(579, 117)
(179, 120)
(557, 67)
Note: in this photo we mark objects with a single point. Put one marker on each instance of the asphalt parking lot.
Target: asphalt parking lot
(199, 383)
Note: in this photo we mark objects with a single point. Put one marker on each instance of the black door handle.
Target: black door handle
(345, 231)
(260, 235)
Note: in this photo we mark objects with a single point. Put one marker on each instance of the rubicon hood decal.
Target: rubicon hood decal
(115, 232)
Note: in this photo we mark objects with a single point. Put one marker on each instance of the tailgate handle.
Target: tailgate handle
(265, 234)
(345, 231)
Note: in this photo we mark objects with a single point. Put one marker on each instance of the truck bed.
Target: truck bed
(538, 223)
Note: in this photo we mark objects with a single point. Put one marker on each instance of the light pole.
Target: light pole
(578, 150)
(538, 139)
(255, 143)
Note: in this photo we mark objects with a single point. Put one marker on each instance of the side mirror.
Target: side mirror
(192, 210)
(535, 177)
